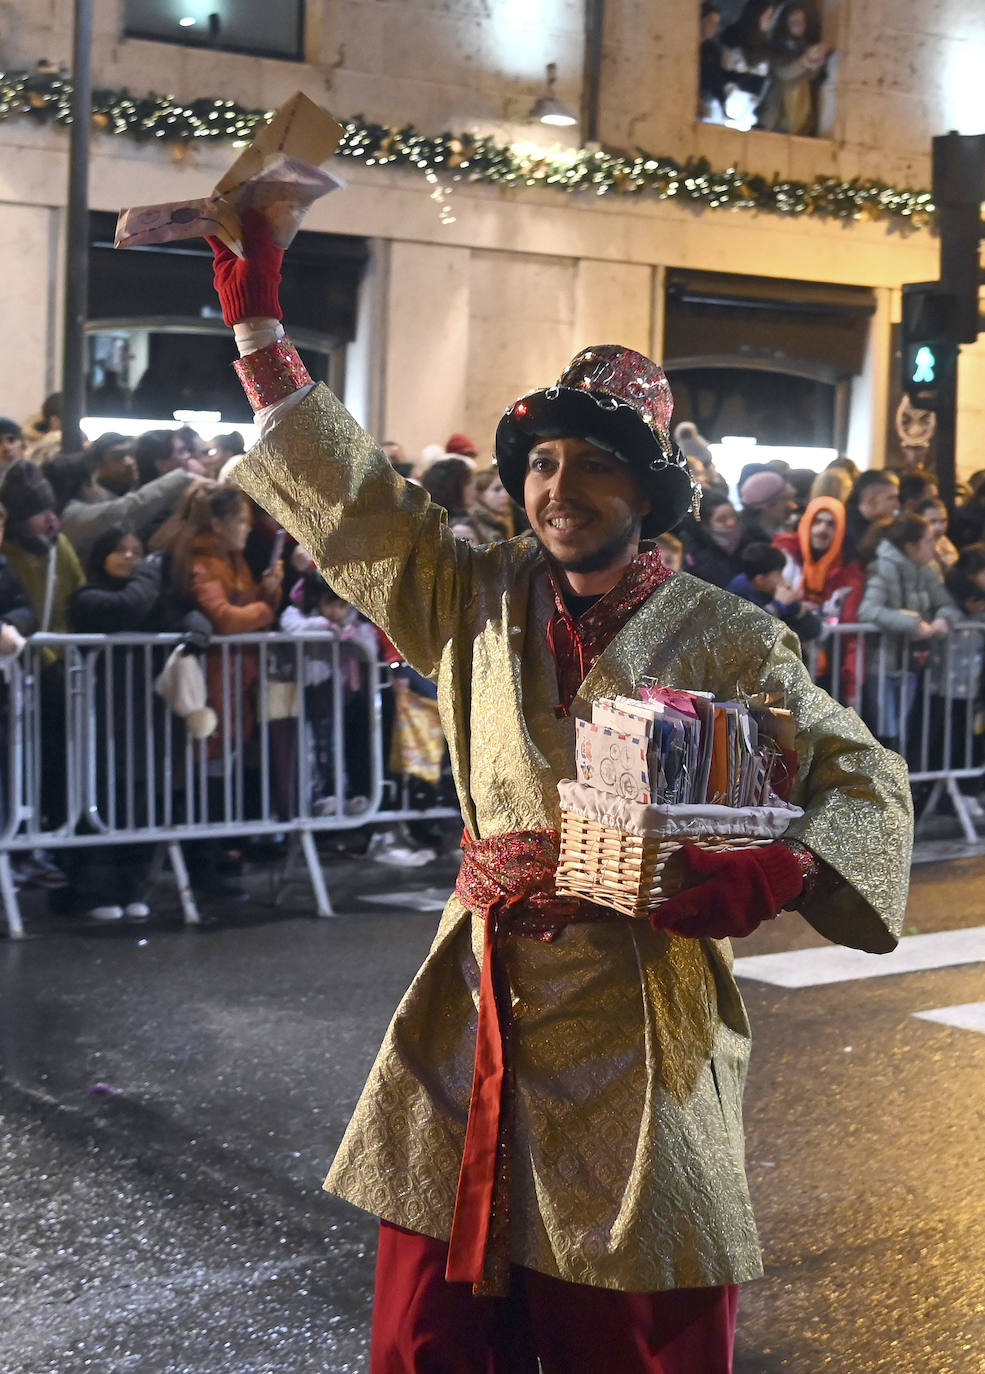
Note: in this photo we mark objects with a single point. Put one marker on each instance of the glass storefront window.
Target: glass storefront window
(249, 26)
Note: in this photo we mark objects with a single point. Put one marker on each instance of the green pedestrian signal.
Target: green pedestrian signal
(928, 351)
(925, 364)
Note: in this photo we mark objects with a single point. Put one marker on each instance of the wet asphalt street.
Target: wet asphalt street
(171, 1098)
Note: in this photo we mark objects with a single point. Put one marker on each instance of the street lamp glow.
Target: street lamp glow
(187, 22)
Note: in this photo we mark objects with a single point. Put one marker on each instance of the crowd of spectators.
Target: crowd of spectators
(849, 547)
(764, 70)
(137, 535)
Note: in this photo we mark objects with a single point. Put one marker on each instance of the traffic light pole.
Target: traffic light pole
(945, 439)
(77, 234)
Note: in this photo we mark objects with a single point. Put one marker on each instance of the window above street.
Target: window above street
(249, 26)
(763, 66)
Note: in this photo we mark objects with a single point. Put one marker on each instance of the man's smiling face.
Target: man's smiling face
(583, 505)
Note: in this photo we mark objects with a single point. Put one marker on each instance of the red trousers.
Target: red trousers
(424, 1325)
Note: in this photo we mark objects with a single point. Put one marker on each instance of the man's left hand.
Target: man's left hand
(737, 891)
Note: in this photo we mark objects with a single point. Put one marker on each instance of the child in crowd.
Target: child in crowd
(761, 581)
(934, 510)
(315, 608)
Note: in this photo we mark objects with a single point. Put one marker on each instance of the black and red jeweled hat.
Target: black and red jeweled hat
(618, 399)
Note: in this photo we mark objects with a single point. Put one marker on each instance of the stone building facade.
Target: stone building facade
(463, 307)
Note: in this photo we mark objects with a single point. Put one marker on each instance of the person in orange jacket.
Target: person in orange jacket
(816, 553)
(212, 574)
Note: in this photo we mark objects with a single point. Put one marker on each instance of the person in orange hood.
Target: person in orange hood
(816, 550)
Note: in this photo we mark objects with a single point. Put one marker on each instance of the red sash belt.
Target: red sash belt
(508, 880)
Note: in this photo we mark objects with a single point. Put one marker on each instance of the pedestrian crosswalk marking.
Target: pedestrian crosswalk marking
(806, 968)
(970, 1016)
(428, 900)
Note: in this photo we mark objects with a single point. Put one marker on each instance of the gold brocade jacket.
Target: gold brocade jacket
(629, 1045)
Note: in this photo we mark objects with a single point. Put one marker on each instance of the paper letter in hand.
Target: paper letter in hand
(279, 174)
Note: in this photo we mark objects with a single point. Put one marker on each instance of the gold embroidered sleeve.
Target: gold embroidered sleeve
(379, 540)
(858, 813)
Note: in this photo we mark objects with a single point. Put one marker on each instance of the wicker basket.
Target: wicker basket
(626, 856)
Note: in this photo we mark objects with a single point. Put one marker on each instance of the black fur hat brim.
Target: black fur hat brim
(566, 412)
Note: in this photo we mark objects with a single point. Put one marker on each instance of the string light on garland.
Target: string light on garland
(45, 94)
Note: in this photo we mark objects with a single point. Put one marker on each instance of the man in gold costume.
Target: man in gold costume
(551, 1134)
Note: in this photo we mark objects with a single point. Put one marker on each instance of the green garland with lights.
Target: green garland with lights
(44, 95)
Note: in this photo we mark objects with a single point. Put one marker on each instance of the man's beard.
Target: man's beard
(606, 554)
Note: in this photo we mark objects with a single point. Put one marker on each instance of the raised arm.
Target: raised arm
(378, 539)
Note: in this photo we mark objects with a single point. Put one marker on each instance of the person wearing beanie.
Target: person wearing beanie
(697, 451)
(691, 443)
(461, 446)
(555, 1110)
(50, 572)
(40, 555)
(766, 500)
(11, 442)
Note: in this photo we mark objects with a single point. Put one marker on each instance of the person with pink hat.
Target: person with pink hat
(551, 1133)
(767, 501)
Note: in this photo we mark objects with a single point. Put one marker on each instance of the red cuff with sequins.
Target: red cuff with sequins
(271, 373)
(810, 864)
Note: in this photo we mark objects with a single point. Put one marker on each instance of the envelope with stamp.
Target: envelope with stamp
(612, 762)
(280, 174)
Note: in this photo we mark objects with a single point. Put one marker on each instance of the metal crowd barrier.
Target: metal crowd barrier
(95, 757)
(922, 698)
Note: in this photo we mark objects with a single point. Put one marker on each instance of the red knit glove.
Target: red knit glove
(247, 287)
(741, 889)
